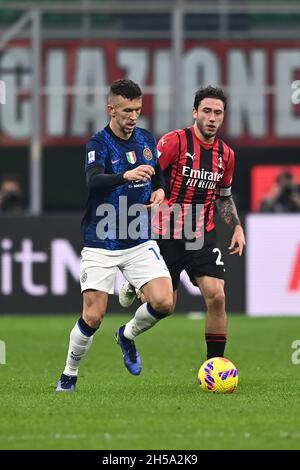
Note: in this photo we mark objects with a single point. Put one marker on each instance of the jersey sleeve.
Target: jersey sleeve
(224, 187)
(158, 180)
(95, 154)
(168, 149)
(96, 179)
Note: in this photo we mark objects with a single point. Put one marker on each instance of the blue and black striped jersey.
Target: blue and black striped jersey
(116, 156)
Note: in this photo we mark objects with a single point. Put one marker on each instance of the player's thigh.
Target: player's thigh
(174, 254)
(143, 264)
(206, 262)
(98, 270)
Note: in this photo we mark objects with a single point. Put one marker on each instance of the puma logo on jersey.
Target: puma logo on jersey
(189, 155)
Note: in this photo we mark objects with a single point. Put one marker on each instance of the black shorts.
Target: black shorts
(206, 261)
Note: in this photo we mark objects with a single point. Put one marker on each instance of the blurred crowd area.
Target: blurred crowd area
(284, 196)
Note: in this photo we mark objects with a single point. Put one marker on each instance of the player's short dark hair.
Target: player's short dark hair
(209, 92)
(126, 88)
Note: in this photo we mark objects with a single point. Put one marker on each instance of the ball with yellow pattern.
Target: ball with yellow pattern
(218, 375)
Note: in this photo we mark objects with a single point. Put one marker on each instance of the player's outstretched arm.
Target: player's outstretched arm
(228, 213)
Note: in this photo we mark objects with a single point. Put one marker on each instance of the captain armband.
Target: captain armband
(223, 192)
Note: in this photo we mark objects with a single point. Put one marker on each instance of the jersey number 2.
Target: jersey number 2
(219, 261)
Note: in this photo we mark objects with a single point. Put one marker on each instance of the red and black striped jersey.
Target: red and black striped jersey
(196, 173)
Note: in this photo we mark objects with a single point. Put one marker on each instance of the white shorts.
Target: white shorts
(139, 265)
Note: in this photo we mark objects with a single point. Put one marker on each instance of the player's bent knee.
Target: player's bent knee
(93, 322)
(93, 318)
(94, 307)
(163, 305)
(216, 301)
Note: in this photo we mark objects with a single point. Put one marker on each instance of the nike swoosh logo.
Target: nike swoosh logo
(189, 155)
(115, 161)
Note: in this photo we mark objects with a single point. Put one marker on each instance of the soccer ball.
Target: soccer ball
(218, 375)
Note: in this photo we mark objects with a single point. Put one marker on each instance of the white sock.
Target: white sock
(78, 347)
(142, 321)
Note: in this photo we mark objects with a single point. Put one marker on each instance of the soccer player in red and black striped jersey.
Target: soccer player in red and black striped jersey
(198, 167)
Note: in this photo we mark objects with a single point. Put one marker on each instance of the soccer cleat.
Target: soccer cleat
(131, 357)
(127, 294)
(66, 383)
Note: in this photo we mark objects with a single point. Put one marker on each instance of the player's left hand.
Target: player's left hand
(238, 241)
(157, 197)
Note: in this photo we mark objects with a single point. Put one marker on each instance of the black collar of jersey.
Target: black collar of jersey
(108, 129)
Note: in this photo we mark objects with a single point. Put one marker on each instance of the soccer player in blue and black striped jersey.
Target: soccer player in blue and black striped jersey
(123, 178)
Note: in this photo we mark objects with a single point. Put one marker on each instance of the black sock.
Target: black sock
(215, 344)
(85, 328)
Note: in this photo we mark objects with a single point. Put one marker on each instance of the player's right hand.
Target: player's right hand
(238, 241)
(140, 173)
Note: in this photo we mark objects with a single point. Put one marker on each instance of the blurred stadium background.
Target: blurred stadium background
(57, 60)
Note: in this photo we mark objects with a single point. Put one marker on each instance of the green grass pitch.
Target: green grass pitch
(163, 408)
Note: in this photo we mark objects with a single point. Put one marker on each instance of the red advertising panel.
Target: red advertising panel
(260, 78)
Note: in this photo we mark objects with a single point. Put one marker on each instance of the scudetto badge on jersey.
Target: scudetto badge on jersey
(147, 153)
(131, 157)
